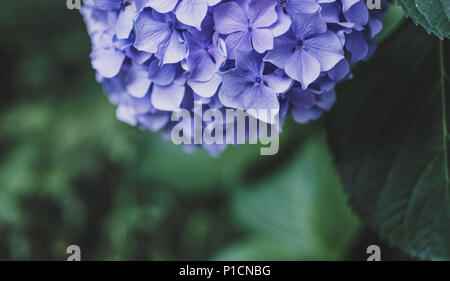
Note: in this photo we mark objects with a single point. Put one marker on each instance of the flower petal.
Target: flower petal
(125, 22)
(163, 75)
(206, 89)
(262, 40)
(192, 12)
(230, 18)
(161, 6)
(303, 67)
(174, 50)
(326, 48)
(262, 13)
(240, 40)
(168, 98)
(137, 80)
(150, 33)
(107, 62)
(282, 51)
(107, 4)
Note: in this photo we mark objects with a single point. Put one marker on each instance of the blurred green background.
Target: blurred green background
(70, 173)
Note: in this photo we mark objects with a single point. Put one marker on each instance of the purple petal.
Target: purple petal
(108, 4)
(262, 13)
(340, 71)
(150, 33)
(249, 61)
(278, 83)
(326, 100)
(230, 18)
(303, 67)
(234, 82)
(162, 75)
(357, 45)
(305, 25)
(282, 50)
(139, 57)
(305, 115)
(264, 100)
(240, 40)
(347, 4)
(154, 121)
(282, 25)
(358, 14)
(262, 40)
(167, 98)
(206, 89)
(107, 62)
(125, 22)
(201, 66)
(192, 12)
(302, 6)
(137, 80)
(174, 50)
(126, 114)
(161, 6)
(326, 48)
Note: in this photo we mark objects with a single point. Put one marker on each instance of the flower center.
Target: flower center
(259, 81)
(284, 3)
(125, 4)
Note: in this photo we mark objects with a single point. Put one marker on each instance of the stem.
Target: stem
(444, 110)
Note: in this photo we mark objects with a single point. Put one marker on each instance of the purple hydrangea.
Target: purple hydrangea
(154, 57)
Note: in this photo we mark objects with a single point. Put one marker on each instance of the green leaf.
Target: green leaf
(388, 131)
(433, 15)
(394, 17)
(299, 214)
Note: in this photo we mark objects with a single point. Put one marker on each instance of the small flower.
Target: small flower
(307, 49)
(247, 26)
(188, 12)
(308, 105)
(106, 58)
(247, 87)
(356, 11)
(127, 14)
(161, 35)
(205, 57)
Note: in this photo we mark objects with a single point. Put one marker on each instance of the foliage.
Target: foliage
(390, 138)
(433, 15)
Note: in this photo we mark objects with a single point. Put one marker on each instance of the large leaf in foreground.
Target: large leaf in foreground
(298, 214)
(388, 132)
(433, 15)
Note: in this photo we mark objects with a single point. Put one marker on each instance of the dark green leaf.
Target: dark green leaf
(387, 134)
(433, 15)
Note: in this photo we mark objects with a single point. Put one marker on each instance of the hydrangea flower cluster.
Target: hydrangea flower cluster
(156, 56)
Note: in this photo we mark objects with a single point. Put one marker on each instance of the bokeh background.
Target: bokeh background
(71, 174)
